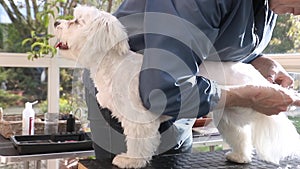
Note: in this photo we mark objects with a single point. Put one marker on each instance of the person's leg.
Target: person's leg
(107, 133)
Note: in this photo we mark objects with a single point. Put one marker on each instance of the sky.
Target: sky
(3, 16)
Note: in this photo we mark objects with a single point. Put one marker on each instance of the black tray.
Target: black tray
(35, 144)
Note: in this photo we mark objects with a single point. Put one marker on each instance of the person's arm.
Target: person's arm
(285, 6)
(174, 48)
(166, 35)
(268, 100)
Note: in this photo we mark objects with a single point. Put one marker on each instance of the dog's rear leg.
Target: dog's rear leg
(239, 139)
(142, 141)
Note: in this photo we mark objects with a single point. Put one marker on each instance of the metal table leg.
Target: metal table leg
(38, 164)
(26, 164)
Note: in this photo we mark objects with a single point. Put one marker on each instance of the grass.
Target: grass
(296, 122)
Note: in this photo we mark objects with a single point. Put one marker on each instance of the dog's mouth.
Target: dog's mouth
(62, 45)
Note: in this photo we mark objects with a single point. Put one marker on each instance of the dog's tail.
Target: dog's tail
(275, 137)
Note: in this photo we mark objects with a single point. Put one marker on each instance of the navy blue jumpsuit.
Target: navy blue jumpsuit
(175, 36)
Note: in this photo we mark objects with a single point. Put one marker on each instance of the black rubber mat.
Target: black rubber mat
(208, 160)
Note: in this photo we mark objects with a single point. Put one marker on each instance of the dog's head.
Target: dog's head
(91, 34)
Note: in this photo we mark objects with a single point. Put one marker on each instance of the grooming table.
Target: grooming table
(203, 160)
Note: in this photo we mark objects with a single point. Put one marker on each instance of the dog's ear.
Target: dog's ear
(107, 34)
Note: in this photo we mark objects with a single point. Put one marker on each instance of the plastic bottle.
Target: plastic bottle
(71, 123)
(1, 114)
(28, 116)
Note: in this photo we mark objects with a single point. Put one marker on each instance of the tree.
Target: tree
(294, 33)
(33, 24)
(281, 42)
(286, 35)
(34, 10)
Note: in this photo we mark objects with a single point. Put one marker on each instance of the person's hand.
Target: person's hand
(273, 71)
(285, 6)
(269, 100)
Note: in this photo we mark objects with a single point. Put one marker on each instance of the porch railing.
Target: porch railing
(53, 65)
(291, 62)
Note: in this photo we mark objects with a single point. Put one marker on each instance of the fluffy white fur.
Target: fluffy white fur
(98, 41)
(273, 137)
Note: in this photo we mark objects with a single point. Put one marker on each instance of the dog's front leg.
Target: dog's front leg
(239, 139)
(142, 140)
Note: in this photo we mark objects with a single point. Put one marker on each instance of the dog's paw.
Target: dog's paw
(238, 158)
(123, 161)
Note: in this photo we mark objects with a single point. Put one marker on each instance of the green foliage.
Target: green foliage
(1, 38)
(39, 46)
(25, 79)
(72, 86)
(64, 106)
(296, 122)
(71, 91)
(286, 35)
(32, 36)
(281, 42)
(4, 74)
(294, 33)
(8, 99)
(11, 39)
(39, 41)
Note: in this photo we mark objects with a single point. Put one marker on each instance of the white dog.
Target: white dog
(98, 41)
(274, 137)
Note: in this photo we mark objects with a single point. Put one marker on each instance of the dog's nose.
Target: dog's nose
(56, 23)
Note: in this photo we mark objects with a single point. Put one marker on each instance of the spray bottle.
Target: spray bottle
(71, 123)
(28, 116)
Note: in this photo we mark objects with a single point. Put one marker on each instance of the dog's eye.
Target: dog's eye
(73, 22)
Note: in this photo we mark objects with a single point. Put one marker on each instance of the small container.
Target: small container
(51, 123)
(71, 123)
